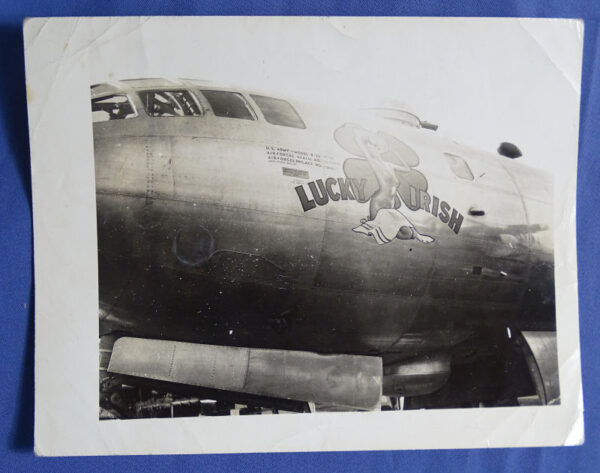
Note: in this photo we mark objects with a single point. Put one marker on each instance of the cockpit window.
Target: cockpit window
(278, 112)
(459, 166)
(113, 107)
(170, 103)
(228, 104)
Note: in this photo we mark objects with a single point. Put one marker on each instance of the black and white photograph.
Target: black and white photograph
(261, 253)
(351, 217)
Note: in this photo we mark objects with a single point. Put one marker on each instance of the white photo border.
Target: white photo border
(66, 284)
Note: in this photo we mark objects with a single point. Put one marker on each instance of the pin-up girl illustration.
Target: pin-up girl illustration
(387, 166)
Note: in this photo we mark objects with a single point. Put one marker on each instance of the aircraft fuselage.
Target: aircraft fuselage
(352, 235)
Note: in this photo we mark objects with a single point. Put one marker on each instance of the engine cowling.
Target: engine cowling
(351, 381)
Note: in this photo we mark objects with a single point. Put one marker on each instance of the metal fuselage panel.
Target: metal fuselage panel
(204, 236)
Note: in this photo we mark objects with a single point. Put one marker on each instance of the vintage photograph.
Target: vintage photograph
(258, 255)
(304, 234)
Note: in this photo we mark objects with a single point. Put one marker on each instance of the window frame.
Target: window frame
(303, 127)
(209, 107)
(197, 101)
(456, 157)
(114, 94)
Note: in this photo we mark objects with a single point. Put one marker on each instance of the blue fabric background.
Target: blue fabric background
(16, 265)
